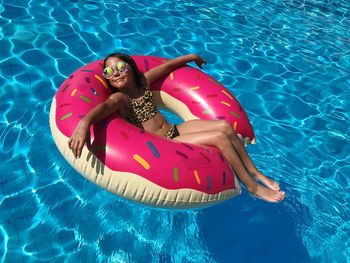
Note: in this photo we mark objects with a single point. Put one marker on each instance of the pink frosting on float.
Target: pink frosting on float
(124, 147)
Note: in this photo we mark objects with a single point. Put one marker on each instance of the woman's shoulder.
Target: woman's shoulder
(118, 97)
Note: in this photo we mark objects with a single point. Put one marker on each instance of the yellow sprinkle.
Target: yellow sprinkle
(73, 92)
(171, 75)
(228, 95)
(197, 176)
(102, 81)
(225, 103)
(234, 125)
(141, 161)
(194, 88)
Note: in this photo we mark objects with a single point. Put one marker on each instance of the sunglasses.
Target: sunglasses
(120, 67)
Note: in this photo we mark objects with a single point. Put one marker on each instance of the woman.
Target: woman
(132, 99)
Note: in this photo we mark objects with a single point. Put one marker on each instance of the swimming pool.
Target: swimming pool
(288, 64)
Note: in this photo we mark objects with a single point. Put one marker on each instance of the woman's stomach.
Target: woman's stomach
(157, 125)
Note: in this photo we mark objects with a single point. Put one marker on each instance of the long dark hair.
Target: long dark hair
(138, 75)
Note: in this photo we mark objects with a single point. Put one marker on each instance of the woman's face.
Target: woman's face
(120, 80)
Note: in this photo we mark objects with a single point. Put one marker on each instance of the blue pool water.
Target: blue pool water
(286, 61)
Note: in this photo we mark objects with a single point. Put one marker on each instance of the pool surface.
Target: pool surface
(288, 64)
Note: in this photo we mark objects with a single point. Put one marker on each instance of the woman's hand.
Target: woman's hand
(199, 60)
(78, 138)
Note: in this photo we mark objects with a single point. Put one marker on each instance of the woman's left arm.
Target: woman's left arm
(159, 71)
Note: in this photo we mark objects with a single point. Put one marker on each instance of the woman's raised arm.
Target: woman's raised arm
(159, 71)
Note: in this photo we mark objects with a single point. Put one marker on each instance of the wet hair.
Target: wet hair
(138, 75)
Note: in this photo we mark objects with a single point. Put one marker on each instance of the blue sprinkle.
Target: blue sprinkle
(87, 70)
(94, 91)
(153, 149)
(208, 182)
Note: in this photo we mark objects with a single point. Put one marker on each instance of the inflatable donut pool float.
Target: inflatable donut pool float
(138, 165)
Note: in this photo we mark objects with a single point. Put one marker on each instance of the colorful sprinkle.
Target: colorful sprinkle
(205, 157)
(194, 88)
(153, 149)
(94, 91)
(235, 114)
(73, 92)
(197, 177)
(102, 81)
(225, 103)
(157, 60)
(87, 70)
(66, 116)
(234, 125)
(227, 94)
(207, 111)
(188, 146)
(88, 80)
(220, 117)
(214, 81)
(146, 64)
(171, 76)
(65, 104)
(66, 87)
(176, 174)
(85, 98)
(141, 161)
(212, 95)
(181, 154)
(124, 135)
(208, 182)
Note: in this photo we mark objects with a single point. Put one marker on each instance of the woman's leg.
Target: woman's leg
(223, 143)
(224, 126)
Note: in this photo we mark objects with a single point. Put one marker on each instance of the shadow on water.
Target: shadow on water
(248, 230)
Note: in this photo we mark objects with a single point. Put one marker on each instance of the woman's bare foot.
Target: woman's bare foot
(266, 181)
(266, 194)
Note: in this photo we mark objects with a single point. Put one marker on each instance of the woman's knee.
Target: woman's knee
(222, 140)
(225, 127)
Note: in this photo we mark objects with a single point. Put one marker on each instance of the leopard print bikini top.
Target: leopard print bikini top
(142, 109)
